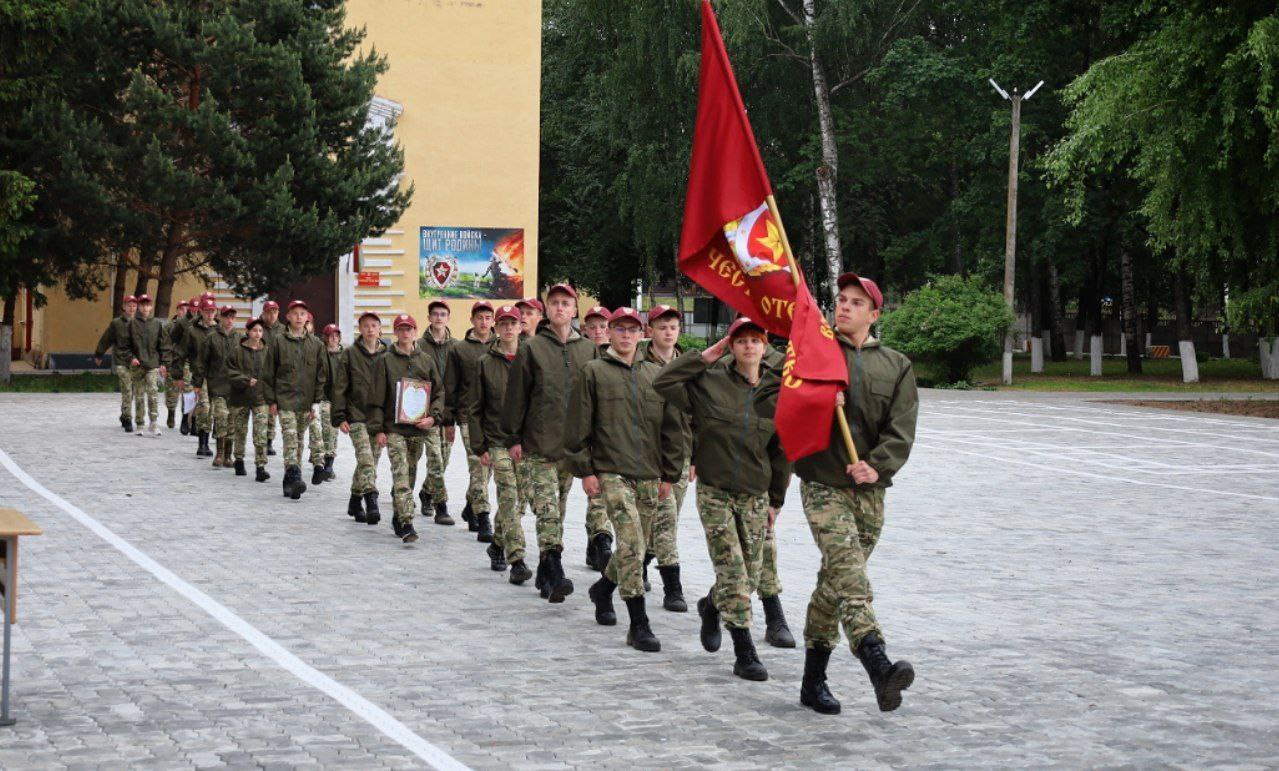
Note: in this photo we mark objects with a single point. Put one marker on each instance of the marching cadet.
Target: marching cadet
(150, 346)
(438, 342)
(353, 383)
(844, 501)
(174, 379)
(294, 380)
(272, 328)
(404, 442)
(488, 441)
(210, 376)
(464, 357)
(625, 443)
(116, 337)
(248, 398)
(537, 396)
(193, 340)
(742, 475)
(599, 534)
(532, 314)
(328, 433)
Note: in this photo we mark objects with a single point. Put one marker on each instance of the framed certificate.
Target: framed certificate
(412, 400)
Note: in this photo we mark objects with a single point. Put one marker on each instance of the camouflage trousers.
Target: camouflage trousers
(735, 524)
(404, 452)
(367, 452)
(477, 490)
(324, 437)
(597, 517)
(221, 417)
(846, 524)
(172, 394)
(770, 585)
(661, 531)
(292, 427)
(630, 502)
(270, 429)
(203, 416)
(437, 452)
(548, 485)
(146, 393)
(125, 378)
(508, 525)
(240, 429)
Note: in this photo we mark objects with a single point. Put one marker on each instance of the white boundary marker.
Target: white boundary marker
(362, 707)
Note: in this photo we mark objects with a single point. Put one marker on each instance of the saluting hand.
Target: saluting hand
(716, 351)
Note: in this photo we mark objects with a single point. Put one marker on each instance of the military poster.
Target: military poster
(471, 263)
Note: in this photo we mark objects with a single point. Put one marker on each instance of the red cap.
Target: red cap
(598, 310)
(227, 310)
(270, 305)
(195, 303)
(623, 313)
(868, 286)
(533, 303)
(184, 303)
(744, 321)
(144, 299)
(128, 298)
(404, 320)
(565, 288)
(208, 295)
(368, 314)
(508, 312)
(299, 304)
(481, 305)
(658, 311)
(207, 304)
(438, 304)
(331, 329)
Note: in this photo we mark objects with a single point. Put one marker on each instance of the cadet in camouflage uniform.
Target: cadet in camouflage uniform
(272, 328)
(248, 398)
(116, 337)
(463, 358)
(193, 342)
(438, 342)
(327, 447)
(484, 397)
(150, 346)
(844, 501)
(353, 381)
(176, 378)
(404, 442)
(599, 533)
(532, 318)
(209, 375)
(294, 379)
(537, 396)
(625, 443)
(742, 475)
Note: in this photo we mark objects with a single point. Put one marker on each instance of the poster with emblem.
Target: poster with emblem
(467, 263)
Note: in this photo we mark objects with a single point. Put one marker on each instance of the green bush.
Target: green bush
(692, 343)
(952, 324)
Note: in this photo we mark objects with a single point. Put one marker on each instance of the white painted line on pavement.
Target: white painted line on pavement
(362, 707)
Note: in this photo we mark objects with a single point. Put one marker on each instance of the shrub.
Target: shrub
(951, 323)
(692, 343)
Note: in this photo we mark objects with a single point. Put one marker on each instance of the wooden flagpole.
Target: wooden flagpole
(794, 272)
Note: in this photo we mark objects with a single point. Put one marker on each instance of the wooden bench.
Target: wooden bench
(12, 526)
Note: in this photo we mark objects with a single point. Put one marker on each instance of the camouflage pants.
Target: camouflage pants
(630, 502)
(548, 486)
(477, 490)
(328, 435)
(735, 524)
(146, 393)
(240, 428)
(125, 378)
(661, 531)
(597, 517)
(770, 585)
(221, 417)
(292, 426)
(364, 480)
(438, 449)
(172, 394)
(846, 525)
(203, 417)
(508, 525)
(404, 452)
(315, 433)
(525, 492)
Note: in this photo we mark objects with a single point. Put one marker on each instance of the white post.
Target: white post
(1263, 350)
(1189, 364)
(1094, 353)
(346, 298)
(1079, 345)
(1225, 345)
(1149, 337)
(1269, 357)
(1037, 355)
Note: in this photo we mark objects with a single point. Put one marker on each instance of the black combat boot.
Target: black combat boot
(889, 678)
(539, 582)
(710, 634)
(558, 585)
(813, 691)
(261, 475)
(329, 473)
(184, 427)
(747, 666)
(442, 513)
(590, 553)
(601, 593)
(317, 475)
(239, 468)
(468, 516)
(397, 527)
(497, 558)
(640, 636)
(127, 425)
(355, 507)
(425, 498)
(603, 550)
(287, 482)
(674, 590)
(169, 421)
(483, 530)
(372, 515)
(407, 533)
(203, 450)
(270, 445)
(299, 486)
(647, 559)
(776, 633)
(519, 572)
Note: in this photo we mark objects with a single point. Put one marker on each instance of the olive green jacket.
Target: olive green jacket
(115, 337)
(272, 331)
(646, 351)
(881, 404)
(387, 371)
(539, 390)
(440, 353)
(177, 330)
(483, 404)
(210, 368)
(296, 371)
(192, 340)
(149, 342)
(463, 359)
(244, 365)
(617, 423)
(330, 371)
(737, 448)
(353, 382)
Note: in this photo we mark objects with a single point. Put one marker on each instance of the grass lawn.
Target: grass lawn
(85, 382)
(1157, 375)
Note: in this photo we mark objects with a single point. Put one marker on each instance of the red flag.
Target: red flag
(732, 245)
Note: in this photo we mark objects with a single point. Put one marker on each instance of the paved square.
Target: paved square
(1076, 583)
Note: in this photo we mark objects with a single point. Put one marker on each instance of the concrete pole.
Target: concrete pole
(1010, 230)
